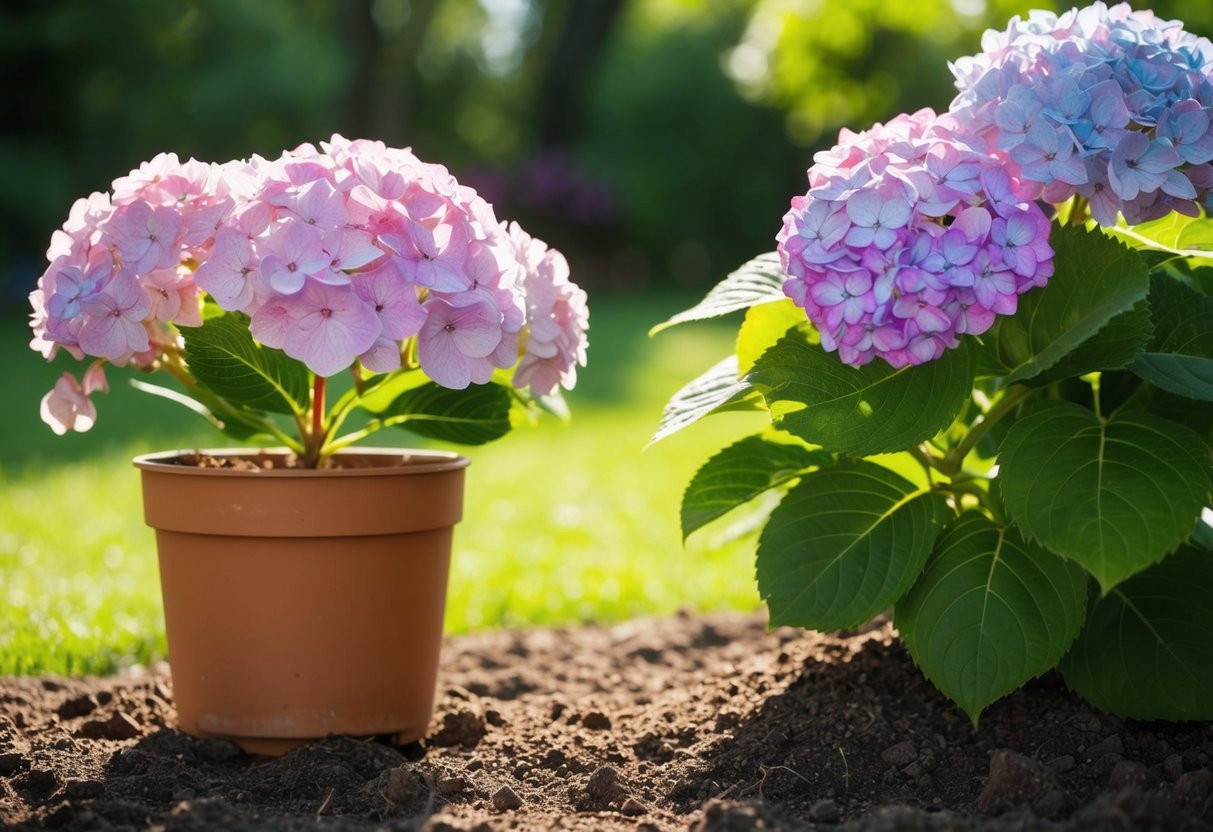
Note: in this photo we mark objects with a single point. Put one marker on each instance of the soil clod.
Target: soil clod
(633, 808)
(118, 726)
(11, 762)
(901, 754)
(506, 799)
(596, 721)
(463, 727)
(39, 783)
(1016, 782)
(604, 786)
(77, 706)
(1193, 789)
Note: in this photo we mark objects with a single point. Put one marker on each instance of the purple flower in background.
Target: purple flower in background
(1107, 103)
(911, 235)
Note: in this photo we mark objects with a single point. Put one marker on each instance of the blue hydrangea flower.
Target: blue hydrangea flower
(1111, 104)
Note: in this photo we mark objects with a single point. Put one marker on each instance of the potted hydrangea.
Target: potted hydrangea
(304, 586)
(985, 345)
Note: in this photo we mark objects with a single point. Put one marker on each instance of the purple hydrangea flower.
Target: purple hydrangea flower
(1105, 102)
(910, 235)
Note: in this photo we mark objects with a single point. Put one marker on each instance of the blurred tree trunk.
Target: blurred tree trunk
(384, 79)
(585, 29)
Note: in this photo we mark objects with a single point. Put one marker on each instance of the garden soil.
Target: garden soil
(687, 723)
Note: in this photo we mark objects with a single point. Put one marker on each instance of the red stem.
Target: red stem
(317, 438)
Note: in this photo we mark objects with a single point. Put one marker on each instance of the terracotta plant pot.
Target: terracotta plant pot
(302, 603)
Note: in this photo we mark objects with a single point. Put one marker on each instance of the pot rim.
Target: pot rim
(417, 461)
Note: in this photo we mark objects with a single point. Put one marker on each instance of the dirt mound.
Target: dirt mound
(702, 723)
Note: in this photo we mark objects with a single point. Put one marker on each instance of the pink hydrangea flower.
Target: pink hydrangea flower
(146, 237)
(67, 407)
(329, 328)
(394, 300)
(909, 237)
(293, 252)
(382, 357)
(114, 327)
(456, 343)
(340, 256)
(557, 318)
(432, 253)
(231, 273)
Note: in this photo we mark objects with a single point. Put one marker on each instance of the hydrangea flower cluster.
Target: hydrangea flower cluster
(909, 237)
(1108, 103)
(347, 254)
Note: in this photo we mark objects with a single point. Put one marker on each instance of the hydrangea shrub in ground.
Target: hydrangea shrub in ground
(1038, 431)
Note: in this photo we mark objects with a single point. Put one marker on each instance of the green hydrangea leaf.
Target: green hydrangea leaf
(1145, 651)
(763, 327)
(1202, 279)
(864, 410)
(240, 424)
(1193, 413)
(1196, 235)
(1096, 279)
(845, 544)
(1114, 495)
(741, 472)
(474, 416)
(1179, 358)
(1157, 234)
(1115, 346)
(758, 281)
(223, 356)
(1174, 233)
(714, 390)
(990, 612)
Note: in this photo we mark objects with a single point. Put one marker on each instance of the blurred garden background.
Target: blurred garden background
(656, 142)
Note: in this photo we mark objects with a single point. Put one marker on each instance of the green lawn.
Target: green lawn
(563, 522)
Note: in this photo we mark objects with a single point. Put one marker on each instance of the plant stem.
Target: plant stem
(356, 436)
(953, 461)
(366, 430)
(977, 489)
(926, 459)
(318, 407)
(315, 436)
